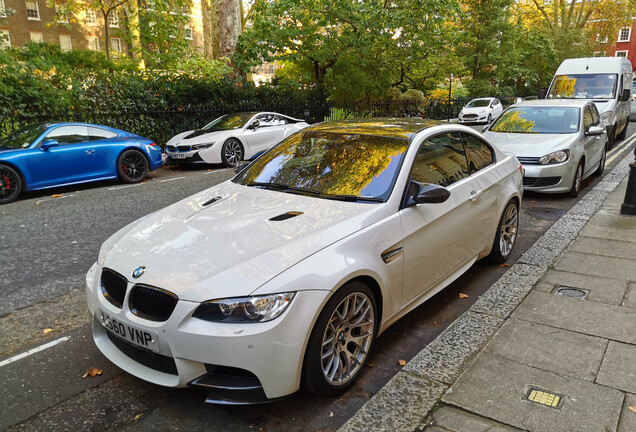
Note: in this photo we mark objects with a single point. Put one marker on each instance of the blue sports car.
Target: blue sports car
(45, 155)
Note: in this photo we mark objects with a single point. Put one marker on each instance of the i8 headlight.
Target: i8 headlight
(244, 309)
(556, 157)
(202, 146)
(606, 117)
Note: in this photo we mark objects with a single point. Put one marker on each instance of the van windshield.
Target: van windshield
(583, 86)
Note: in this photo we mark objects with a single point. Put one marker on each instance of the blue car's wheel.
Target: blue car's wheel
(132, 166)
(10, 184)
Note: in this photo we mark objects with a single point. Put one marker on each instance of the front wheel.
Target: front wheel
(506, 234)
(132, 166)
(489, 119)
(10, 184)
(340, 341)
(601, 165)
(232, 153)
(621, 136)
(576, 182)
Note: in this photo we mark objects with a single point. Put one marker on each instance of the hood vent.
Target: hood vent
(285, 216)
(212, 201)
(196, 133)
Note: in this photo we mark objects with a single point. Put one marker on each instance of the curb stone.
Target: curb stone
(405, 401)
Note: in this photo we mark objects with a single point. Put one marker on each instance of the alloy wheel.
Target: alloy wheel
(233, 152)
(508, 233)
(9, 184)
(134, 165)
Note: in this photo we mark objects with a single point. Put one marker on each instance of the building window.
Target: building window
(65, 42)
(601, 39)
(113, 19)
(3, 10)
(33, 10)
(624, 34)
(188, 32)
(599, 53)
(93, 43)
(5, 39)
(37, 37)
(60, 14)
(115, 44)
(91, 18)
(621, 53)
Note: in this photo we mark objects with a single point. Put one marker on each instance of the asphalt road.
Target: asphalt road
(50, 242)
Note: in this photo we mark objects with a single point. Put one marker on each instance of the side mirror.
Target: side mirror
(47, 144)
(426, 193)
(595, 130)
(625, 95)
(255, 124)
(240, 167)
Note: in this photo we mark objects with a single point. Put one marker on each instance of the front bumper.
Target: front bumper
(549, 178)
(192, 157)
(194, 352)
(481, 118)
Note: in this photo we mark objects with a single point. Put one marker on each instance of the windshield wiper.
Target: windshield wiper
(352, 198)
(283, 187)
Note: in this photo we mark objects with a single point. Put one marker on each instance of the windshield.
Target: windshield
(478, 103)
(23, 138)
(228, 122)
(583, 86)
(330, 165)
(538, 120)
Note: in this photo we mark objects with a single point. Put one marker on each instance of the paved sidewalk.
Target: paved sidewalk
(530, 355)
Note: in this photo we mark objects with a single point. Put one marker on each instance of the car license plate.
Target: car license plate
(177, 155)
(132, 334)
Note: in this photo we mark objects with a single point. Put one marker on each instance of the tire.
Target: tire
(489, 120)
(576, 182)
(232, 152)
(10, 184)
(506, 236)
(621, 136)
(601, 165)
(132, 166)
(325, 372)
(611, 137)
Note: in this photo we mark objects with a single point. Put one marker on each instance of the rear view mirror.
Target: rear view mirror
(595, 130)
(239, 167)
(625, 95)
(255, 124)
(542, 93)
(47, 144)
(426, 193)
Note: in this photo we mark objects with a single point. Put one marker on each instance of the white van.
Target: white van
(607, 81)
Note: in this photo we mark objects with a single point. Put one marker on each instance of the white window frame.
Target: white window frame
(112, 45)
(70, 42)
(93, 42)
(3, 10)
(5, 43)
(620, 33)
(36, 39)
(626, 52)
(113, 19)
(92, 21)
(37, 10)
(60, 15)
(601, 39)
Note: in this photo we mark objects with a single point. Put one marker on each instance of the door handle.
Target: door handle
(90, 151)
(474, 195)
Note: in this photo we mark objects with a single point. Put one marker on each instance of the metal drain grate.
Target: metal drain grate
(543, 397)
(567, 291)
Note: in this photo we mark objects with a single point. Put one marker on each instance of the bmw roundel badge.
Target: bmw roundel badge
(138, 271)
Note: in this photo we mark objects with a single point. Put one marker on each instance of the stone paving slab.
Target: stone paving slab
(495, 387)
(611, 233)
(455, 420)
(610, 248)
(445, 358)
(399, 406)
(630, 296)
(604, 290)
(618, 369)
(627, 422)
(591, 318)
(596, 265)
(559, 351)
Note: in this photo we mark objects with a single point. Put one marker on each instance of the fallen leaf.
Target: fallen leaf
(434, 322)
(138, 416)
(402, 362)
(57, 195)
(47, 330)
(533, 202)
(633, 408)
(209, 170)
(504, 265)
(463, 296)
(37, 203)
(93, 372)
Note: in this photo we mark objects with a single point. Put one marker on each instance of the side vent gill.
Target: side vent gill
(213, 200)
(285, 216)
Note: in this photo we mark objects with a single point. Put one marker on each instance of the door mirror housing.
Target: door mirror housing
(595, 130)
(255, 125)
(47, 144)
(426, 193)
(625, 96)
(240, 167)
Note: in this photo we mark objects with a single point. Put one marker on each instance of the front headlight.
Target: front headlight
(556, 157)
(606, 117)
(244, 309)
(202, 146)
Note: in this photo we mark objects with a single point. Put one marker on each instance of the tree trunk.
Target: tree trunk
(210, 17)
(105, 13)
(221, 27)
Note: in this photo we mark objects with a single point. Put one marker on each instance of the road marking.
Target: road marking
(33, 351)
(125, 186)
(617, 151)
(172, 179)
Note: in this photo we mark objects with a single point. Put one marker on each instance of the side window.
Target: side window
(69, 134)
(100, 134)
(588, 120)
(266, 120)
(479, 155)
(440, 160)
(596, 117)
(280, 120)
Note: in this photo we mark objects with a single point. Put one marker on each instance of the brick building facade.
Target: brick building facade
(625, 44)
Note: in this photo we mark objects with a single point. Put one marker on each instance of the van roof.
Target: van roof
(594, 65)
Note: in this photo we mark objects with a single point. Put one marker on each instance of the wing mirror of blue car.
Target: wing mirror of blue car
(47, 144)
(426, 193)
(595, 130)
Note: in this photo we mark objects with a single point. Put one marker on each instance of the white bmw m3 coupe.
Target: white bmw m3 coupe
(283, 276)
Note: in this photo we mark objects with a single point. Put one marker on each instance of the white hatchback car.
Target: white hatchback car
(231, 138)
(483, 110)
(285, 275)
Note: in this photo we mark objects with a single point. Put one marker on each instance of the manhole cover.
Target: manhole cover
(543, 397)
(578, 293)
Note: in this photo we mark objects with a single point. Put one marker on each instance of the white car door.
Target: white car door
(593, 144)
(270, 131)
(440, 239)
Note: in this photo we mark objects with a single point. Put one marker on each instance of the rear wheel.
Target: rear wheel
(10, 184)
(506, 234)
(340, 341)
(132, 166)
(576, 182)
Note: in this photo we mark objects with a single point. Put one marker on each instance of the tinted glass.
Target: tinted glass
(440, 160)
(228, 122)
(331, 164)
(540, 120)
(23, 138)
(100, 134)
(69, 134)
(588, 120)
(478, 153)
(478, 103)
(584, 86)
